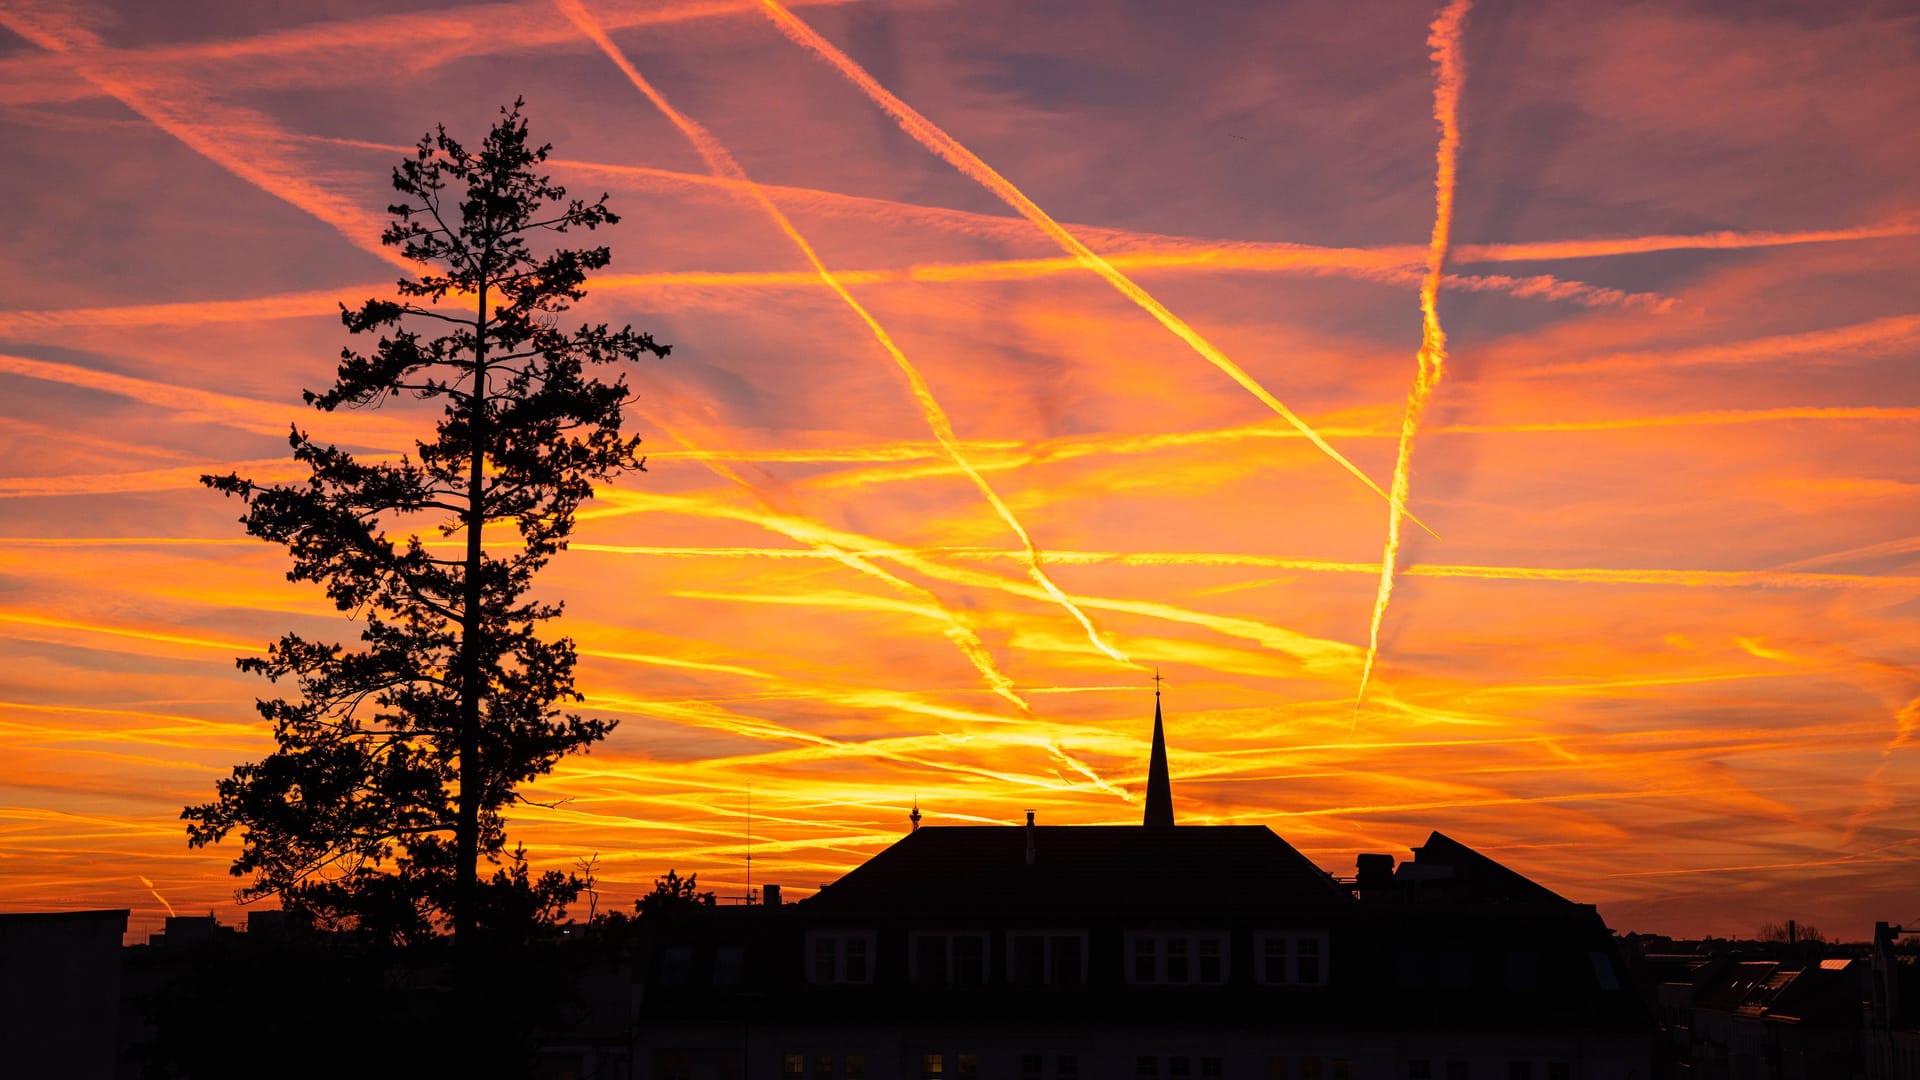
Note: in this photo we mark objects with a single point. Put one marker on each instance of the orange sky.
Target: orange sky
(1002, 334)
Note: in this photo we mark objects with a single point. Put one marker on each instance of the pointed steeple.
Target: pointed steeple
(1159, 785)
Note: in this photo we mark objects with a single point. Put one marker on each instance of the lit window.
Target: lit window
(933, 1065)
(794, 1065)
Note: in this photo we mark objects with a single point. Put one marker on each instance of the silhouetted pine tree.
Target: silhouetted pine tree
(396, 759)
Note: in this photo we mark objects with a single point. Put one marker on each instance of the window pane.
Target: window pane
(823, 958)
(1179, 1066)
(1310, 1069)
(1519, 1070)
(1307, 960)
(795, 1065)
(1177, 960)
(1029, 959)
(856, 1067)
(823, 1067)
(1066, 1067)
(969, 960)
(966, 1065)
(1559, 1070)
(1030, 1067)
(1342, 1069)
(1068, 968)
(1276, 1068)
(1209, 1068)
(1419, 1069)
(1145, 1065)
(1273, 960)
(933, 1065)
(930, 959)
(856, 954)
(1143, 960)
(726, 964)
(1457, 1070)
(1210, 968)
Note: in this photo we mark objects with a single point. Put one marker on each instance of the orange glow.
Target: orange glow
(926, 458)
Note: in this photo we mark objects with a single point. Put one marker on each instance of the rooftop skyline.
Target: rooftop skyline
(1019, 350)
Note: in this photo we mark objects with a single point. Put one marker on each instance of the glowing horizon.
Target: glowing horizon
(982, 322)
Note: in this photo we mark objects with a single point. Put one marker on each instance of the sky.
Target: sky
(1020, 351)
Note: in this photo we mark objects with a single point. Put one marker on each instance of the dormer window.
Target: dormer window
(949, 959)
(1047, 957)
(1181, 958)
(840, 958)
(1292, 958)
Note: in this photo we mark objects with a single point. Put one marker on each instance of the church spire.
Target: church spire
(1159, 785)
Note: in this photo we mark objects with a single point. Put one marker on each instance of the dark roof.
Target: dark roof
(1447, 866)
(981, 871)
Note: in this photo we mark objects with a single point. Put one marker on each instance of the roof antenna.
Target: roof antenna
(915, 816)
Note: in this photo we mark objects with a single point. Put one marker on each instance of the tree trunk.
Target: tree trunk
(467, 832)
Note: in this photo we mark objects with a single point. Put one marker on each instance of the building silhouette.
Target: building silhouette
(1163, 951)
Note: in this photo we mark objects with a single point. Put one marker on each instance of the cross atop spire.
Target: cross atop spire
(1159, 784)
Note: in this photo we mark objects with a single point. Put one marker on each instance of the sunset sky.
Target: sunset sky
(1144, 285)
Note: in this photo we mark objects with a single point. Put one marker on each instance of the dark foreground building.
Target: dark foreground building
(1162, 951)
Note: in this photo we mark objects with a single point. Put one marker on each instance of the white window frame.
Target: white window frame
(1159, 939)
(838, 941)
(950, 936)
(1293, 939)
(1048, 977)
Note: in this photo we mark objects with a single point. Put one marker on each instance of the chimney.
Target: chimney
(1029, 838)
(1376, 871)
(770, 895)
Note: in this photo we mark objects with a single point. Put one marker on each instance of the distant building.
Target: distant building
(60, 993)
(1155, 952)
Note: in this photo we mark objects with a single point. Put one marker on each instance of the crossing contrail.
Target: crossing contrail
(722, 163)
(930, 135)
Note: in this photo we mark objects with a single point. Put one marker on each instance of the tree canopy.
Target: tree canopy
(396, 760)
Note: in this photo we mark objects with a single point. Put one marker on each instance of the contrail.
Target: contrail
(722, 163)
(209, 129)
(933, 138)
(963, 636)
(157, 896)
(1444, 39)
